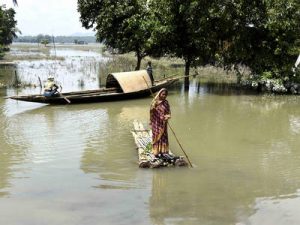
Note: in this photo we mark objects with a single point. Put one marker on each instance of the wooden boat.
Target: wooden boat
(119, 86)
(143, 140)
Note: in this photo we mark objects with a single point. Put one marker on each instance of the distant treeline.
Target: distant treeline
(57, 39)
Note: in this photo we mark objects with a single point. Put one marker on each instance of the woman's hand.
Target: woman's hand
(168, 116)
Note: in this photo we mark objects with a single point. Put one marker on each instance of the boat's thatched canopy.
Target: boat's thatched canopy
(129, 81)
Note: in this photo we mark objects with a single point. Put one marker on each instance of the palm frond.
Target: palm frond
(15, 2)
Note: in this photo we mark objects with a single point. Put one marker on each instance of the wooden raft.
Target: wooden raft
(143, 141)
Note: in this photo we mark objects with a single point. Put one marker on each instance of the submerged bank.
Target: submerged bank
(26, 64)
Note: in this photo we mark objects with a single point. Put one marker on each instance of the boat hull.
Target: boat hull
(92, 96)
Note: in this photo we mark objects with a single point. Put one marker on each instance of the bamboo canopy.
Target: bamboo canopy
(129, 81)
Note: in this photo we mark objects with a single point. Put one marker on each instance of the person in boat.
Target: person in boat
(51, 88)
(160, 113)
(150, 72)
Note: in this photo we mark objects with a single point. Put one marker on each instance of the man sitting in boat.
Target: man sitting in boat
(51, 88)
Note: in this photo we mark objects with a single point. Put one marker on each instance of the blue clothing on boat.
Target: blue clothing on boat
(51, 93)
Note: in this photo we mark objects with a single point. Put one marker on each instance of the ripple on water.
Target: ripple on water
(54, 133)
(276, 210)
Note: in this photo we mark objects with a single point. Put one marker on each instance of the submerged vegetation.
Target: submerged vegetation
(29, 52)
(257, 43)
(58, 39)
(36, 51)
(169, 66)
(36, 62)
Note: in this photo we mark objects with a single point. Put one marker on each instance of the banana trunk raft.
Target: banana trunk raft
(143, 141)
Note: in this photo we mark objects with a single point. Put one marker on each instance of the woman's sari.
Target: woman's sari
(158, 110)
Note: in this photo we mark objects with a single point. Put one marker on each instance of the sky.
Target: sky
(53, 17)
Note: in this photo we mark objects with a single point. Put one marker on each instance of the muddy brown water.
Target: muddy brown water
(77, 164)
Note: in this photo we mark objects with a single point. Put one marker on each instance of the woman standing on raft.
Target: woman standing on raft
(159, 114)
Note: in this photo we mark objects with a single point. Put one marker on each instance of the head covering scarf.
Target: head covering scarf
(156, 99)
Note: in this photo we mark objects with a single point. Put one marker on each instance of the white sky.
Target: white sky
(53, 17)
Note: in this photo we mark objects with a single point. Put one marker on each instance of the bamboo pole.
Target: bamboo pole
(64, 97)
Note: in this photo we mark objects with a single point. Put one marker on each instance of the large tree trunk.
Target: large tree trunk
(187, 73)
(139, 60)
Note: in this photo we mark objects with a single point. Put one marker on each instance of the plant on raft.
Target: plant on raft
(148, 147)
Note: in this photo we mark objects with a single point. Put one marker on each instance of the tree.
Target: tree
(7, 27)
(120, 24)
(43, 39)
(39, 38)
(45, 42)
(154, 27)
(186, 26)
(264, 36)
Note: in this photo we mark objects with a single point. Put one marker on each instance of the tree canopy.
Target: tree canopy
(260, 34)
(8, 28)
(187, 29)
(121, 25)
(264, 36)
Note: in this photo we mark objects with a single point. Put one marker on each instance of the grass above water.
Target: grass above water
(162, 67)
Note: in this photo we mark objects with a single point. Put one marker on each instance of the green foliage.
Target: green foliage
(7, 27)
(44, 38)
(45, 42)
(148, 148)
(2, 50)
(121, 25)
(264, 36)
(89, 11)
(296, 76)
(185, 30)
(267, 75)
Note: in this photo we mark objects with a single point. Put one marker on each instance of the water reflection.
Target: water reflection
(206, 88)
(243, 151)
(221, 196)
(10, 154)
(79, 161)
(294, 124)
(7, 72)
(114, 148)
(285, 208)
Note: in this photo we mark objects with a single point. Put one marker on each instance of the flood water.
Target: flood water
(77, 164)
